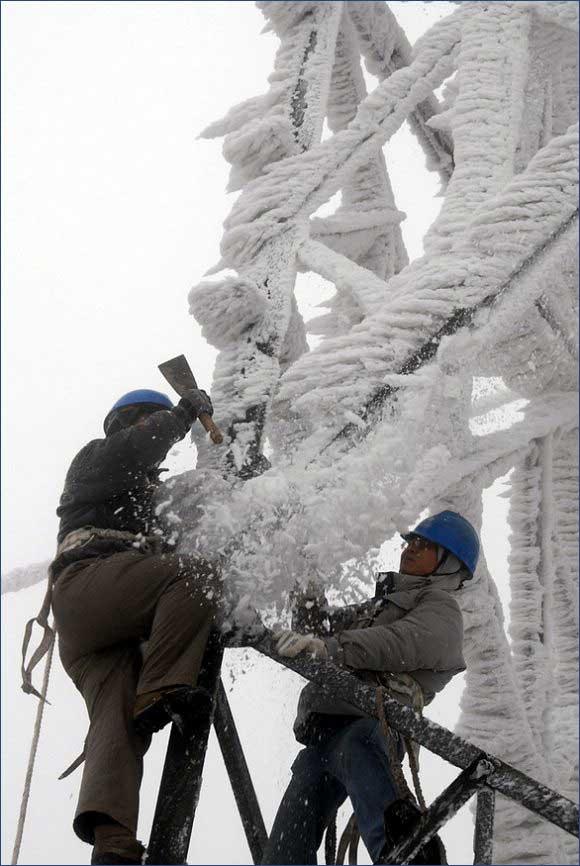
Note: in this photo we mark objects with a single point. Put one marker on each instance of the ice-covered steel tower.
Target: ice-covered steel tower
(402, 404)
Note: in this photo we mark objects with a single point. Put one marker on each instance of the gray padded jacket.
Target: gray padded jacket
(418, 630)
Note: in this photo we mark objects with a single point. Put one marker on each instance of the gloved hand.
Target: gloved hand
(290, 644)
(195, 403)
(240, 625)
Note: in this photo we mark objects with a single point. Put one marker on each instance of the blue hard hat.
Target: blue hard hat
(141, 395)
(454, 533)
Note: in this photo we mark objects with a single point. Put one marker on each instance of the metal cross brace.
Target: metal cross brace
(181, 781)
(505, 779)
(240, 778)
(484, 820)
(441, 810)
(182, 773)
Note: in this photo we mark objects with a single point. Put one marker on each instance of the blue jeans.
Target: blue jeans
(351, 762)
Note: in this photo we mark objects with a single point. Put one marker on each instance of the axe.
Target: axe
(178, 373)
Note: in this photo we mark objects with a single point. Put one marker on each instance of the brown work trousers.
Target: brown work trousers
(104, 610)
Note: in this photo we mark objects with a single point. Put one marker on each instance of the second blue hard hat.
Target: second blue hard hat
(454, 533)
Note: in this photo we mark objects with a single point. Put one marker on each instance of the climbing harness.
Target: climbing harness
(76, 539)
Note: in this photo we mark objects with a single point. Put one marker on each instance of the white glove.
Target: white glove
(290, 644)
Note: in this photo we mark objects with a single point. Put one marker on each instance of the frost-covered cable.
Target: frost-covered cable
(24, 576)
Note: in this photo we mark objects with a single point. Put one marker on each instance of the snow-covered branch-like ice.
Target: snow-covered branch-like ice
(248, 368)
(386, 48)
(563, 13)
(563, 710)
(295, 187)
(511, 230)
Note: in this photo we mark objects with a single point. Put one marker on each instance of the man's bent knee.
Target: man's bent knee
(201, 576)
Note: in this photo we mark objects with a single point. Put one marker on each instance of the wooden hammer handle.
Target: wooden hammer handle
(215, 434)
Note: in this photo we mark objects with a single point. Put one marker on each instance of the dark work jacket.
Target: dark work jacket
(111, 483)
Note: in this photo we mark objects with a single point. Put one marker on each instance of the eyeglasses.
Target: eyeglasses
(418, 543)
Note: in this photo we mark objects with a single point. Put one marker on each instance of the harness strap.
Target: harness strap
(85, 534)
(76, 763)
(46, 643)
(412, 751)
(71, 541)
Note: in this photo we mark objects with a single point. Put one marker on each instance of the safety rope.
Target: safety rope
(403, 790)
(32, 756)
(414, 765)
(350, 836)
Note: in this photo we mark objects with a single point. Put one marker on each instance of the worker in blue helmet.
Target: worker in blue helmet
(134, 404)
(410, 642)
(132, 616)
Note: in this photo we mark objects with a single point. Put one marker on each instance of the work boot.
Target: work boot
(153, 710)
(116, 844)
(401, 817)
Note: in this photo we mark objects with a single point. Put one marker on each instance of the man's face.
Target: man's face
(419, 557)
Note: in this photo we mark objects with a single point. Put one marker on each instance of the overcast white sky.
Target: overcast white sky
(112, 210)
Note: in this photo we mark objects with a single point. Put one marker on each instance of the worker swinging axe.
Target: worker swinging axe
(179, 375)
